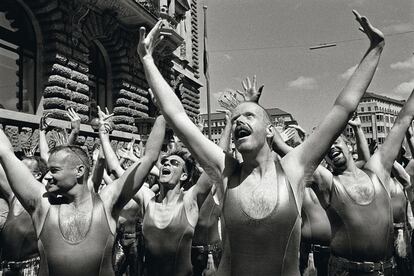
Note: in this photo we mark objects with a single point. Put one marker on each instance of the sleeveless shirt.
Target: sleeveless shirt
(316, 228)
(361, 232)
(18, 239)
(88, 257)
(168, 249)
(268, 246)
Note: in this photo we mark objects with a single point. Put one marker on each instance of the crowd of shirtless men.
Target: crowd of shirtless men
(269, 206)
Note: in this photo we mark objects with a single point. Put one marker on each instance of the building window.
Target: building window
(380, 129)
(98, 68)
(362, 109)
(17, 62)
(369, 108)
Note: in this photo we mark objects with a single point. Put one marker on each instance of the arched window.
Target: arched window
(17, 61)
(100, 88)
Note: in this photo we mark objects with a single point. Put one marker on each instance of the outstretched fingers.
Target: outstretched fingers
(156, 29)
(375, 35)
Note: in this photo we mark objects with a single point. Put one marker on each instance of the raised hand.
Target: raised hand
(44, 124)
(250, 93)
(30, 151)
(375, 36)
(104, 123)
(131, 144)
(128, 154)
(355, 121)
(288, 134)
(96, 153)
(148, 42)
(59, 137)
(75, 120)
(200, 122)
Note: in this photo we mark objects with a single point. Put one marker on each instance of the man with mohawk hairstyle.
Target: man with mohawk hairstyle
(263, 198)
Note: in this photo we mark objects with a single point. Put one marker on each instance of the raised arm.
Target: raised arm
(26, 188)
(124, 188)
(225, 138)
(114, 165)
(383, 159)
(75, 122)
(43, 146)
(209, 155)
(203, 186)
(361, 142)
(279, 141)
(95, 180)
(308, 155)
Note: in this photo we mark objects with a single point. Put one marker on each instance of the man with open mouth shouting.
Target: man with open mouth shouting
(263, 198)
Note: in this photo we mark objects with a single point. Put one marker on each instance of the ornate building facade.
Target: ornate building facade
(56, 54)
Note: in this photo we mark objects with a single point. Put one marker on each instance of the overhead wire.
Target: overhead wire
(307, 45)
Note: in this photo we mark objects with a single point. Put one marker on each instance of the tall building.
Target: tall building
(56, 54)
(377, 114)
(278, 117)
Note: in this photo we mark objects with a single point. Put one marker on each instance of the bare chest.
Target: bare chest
(258, 198)
(74, 223)
(360, 189)
(162, 215)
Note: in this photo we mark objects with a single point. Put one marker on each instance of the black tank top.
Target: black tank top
(168, 249)
(361, 232)
(267, 246)
(91, 256)
(18, 239)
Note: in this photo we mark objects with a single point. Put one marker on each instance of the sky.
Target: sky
(298, 80)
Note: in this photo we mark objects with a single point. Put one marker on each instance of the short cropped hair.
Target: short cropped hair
(74, 151)
(266, 115)
(189, 164)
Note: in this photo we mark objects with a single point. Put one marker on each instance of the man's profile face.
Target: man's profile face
(249, 127)
(62, 175)
(338, 155)
(172, 169)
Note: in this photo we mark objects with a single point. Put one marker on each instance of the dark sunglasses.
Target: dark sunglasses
(173, 162)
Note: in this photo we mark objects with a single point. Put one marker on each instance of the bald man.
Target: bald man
(74, 226)
(263, 198)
